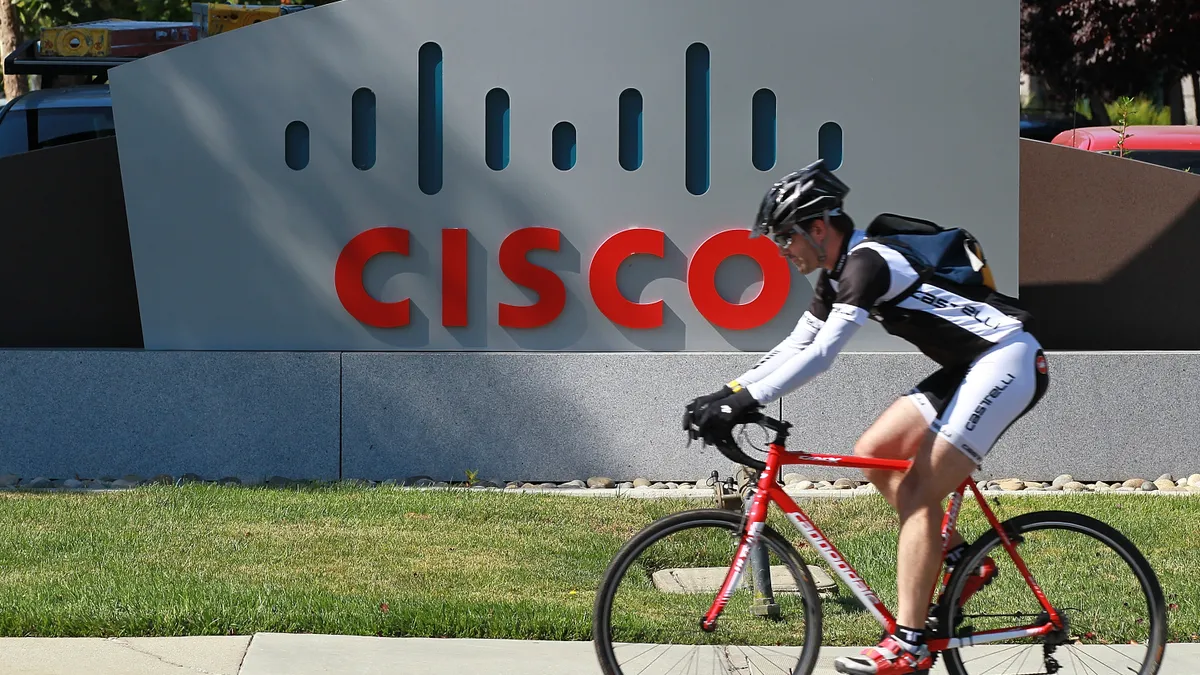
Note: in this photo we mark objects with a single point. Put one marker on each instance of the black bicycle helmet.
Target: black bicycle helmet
(811, 192)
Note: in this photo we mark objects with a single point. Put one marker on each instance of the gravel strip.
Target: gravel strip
(794, 483)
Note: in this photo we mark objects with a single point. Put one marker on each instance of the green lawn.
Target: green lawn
(203, 559)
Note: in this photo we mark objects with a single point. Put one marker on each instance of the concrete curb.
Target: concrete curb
(313, 654)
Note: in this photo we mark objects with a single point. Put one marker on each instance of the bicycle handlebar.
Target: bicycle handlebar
(735, 453)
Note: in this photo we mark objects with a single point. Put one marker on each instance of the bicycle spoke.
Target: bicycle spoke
(1075, 657)
(998, 651)
(1081, 652)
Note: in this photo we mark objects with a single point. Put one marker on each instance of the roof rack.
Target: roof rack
(25, 60)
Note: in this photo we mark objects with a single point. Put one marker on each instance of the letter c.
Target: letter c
(348, 272)
(602, 277)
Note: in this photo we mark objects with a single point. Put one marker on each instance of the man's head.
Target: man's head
(817, 243)
(803, 214)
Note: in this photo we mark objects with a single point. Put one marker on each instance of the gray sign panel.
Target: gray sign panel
(251, 159)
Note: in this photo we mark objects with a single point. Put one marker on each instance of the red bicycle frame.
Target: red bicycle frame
(769, 490)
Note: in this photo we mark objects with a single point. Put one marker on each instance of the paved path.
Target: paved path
(292, 654)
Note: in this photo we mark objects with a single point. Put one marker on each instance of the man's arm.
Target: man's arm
(864, 280)
(802, 335)
(815, 359)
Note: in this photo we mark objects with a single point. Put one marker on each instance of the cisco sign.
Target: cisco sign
(601, 279)
(537, 175)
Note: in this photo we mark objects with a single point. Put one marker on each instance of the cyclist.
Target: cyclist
(992, 372)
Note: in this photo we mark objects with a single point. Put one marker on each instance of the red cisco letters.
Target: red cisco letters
(552, 294)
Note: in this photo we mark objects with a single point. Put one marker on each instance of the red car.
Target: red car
(1175, 147)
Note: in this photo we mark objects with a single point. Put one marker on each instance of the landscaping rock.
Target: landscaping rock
(441, 483)
(803, 485)
(9, 480)
(575, 484)
(550, 486)
(672, 486)
(1035, 486)
(601, 483)
(230, 480)
(843, 483)
(415, 480)
(1165, 476)
(658, 486)
(133, 478)
(626, 485)
(72, 484)
(1012, 485)
(1164, 484)
(1062, 480)
(162, 479)
(1148, 487)
(39, 482)
(686, 486)
(123, 484)
(1074, 486)
(640, 482)
(1134, 483)
(825, 484)
(512, 486)
(793, 478)
(187, 478)
(1194, 479)
(528, 486)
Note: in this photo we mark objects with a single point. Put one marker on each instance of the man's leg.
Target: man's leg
(900, 433)
(935, 473)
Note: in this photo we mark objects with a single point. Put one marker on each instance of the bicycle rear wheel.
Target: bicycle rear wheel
(649, 606)
(1115, 612)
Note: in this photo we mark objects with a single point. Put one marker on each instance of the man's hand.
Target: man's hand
(693, 410)
(719, 417)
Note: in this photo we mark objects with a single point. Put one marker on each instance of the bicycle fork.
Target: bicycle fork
(749, 547)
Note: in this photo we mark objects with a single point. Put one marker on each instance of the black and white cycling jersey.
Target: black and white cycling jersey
(949, 324)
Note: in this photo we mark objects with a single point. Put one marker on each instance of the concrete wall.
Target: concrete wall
(96, 413)
(530, 416)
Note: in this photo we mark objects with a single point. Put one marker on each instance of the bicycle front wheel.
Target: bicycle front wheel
(1093, 576)
(648, 611)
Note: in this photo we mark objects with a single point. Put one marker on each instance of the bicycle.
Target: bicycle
(705, 572)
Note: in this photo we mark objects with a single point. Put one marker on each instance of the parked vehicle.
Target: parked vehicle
(1172, 146)
(48, 117)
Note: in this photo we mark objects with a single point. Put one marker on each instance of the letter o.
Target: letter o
(702, 286)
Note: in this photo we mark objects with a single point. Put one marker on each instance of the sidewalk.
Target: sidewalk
(293, 654)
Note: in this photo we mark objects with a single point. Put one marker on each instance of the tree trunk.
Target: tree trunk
(1099, 112)
(1196, 96)
(10, 38)
(1174, 96)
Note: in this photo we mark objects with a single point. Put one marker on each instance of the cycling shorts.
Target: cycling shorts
(973, 404)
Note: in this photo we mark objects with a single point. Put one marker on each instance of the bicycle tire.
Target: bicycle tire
(1068, 520)
(667, 525)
